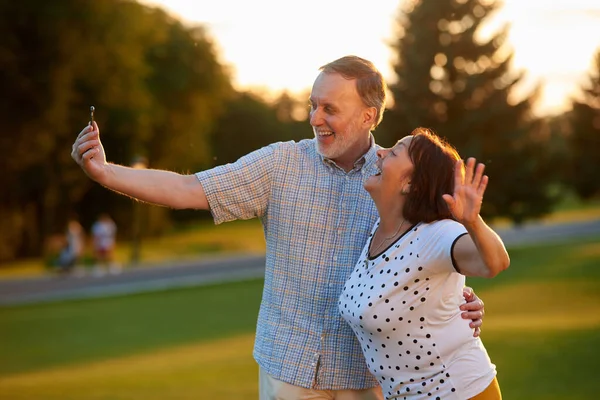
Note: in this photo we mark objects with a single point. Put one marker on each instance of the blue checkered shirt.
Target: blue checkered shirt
(316, 220)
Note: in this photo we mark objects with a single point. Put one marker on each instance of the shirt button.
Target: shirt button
(334, 258)
(314, 364)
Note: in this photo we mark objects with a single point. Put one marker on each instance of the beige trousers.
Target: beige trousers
(273, 389)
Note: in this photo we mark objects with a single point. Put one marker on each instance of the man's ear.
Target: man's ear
(369, 116)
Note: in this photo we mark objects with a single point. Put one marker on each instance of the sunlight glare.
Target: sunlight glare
(279, 45)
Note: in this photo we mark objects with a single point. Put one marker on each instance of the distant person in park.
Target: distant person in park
(316, 215)
(402, 298)
(104, 232)
(73, 247)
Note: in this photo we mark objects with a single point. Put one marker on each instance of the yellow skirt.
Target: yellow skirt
(492, 392)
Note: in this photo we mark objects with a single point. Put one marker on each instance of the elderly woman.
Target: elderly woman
(402, 299)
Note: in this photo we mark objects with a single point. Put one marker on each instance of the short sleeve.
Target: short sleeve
(440, 237)
(240, 190)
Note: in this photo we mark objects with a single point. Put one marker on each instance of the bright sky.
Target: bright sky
(277, 45)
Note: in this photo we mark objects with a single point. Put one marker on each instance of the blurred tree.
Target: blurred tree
(294, 108)
(36, 53)
(247, 125)
(458, 84)
(189, 89)
(156, 86)
(292, 112)
(584, 138)
(250, 122)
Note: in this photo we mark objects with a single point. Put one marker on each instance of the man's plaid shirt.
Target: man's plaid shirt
(316, 220)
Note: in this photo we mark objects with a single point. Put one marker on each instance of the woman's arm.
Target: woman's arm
(481, 252)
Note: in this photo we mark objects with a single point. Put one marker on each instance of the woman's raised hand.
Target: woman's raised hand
(469, 187)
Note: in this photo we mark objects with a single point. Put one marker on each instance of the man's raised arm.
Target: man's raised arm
(160, 187)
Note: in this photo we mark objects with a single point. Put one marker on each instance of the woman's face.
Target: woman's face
(395, 170)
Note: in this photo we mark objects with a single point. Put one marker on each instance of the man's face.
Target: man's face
(340, 120)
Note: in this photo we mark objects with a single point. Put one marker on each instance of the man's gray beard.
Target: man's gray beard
(318, 148)
(335, 151)
(319, 151)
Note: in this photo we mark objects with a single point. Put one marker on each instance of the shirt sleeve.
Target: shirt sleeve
(240, 190)
(442, 240)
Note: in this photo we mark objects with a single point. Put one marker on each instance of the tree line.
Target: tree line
(161, 94)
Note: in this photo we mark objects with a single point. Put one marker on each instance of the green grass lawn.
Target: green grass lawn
(542, 330)
(542, 326)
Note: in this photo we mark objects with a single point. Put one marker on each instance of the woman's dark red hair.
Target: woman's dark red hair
(434, 160)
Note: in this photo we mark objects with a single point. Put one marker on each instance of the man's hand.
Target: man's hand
(88, 152)
(473, 309)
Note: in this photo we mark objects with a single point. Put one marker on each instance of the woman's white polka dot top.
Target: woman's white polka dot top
(403, 305)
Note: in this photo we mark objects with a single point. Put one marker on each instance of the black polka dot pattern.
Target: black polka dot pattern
(389, 301)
